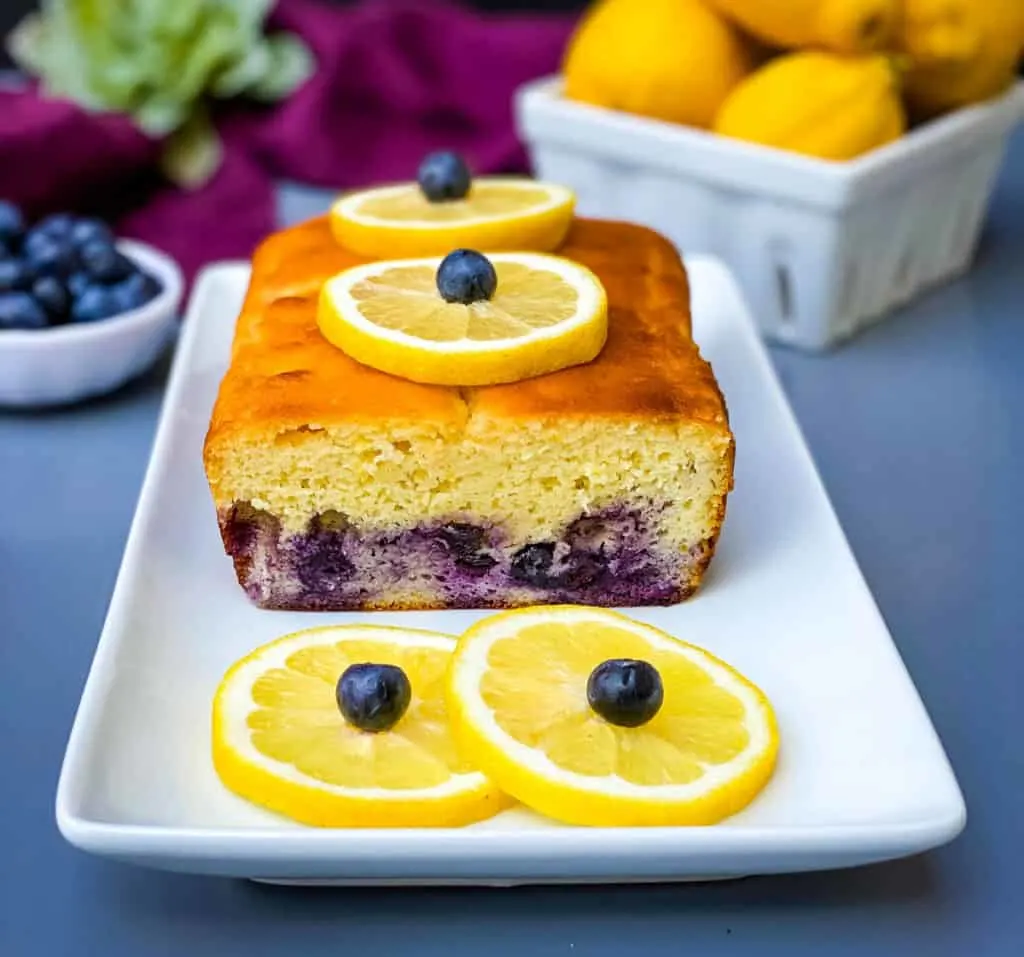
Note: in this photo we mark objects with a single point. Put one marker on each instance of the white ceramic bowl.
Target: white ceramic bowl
(69, 363)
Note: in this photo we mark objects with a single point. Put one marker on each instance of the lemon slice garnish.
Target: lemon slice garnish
(547, 313)
(518, 696)
(281, 741)
(499, 213)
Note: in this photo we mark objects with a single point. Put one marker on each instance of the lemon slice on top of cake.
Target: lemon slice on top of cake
(447, 208)
(468, 319)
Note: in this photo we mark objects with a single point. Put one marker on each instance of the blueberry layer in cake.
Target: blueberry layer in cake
(339, 487)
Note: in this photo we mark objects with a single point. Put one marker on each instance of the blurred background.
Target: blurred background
(11, 11)
(839, 156)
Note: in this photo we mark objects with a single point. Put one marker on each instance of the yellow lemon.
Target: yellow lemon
(525, 696)
(673, 60)
(281, 740)
(818, 104)
(961, 51)
(843, 26)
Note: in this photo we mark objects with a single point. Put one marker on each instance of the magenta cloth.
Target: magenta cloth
(395, 79)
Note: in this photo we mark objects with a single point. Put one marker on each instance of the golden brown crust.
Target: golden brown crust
(284, 374)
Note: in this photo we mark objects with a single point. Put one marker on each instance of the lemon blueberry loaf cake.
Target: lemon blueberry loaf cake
(338, 486)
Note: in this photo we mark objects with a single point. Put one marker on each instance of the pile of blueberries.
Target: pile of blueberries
(64, 269)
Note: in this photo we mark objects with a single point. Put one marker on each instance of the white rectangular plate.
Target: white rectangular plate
(862, 775)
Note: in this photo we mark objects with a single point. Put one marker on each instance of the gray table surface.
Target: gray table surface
(917, 429)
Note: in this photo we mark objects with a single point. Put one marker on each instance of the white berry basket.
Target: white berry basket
(820, 249)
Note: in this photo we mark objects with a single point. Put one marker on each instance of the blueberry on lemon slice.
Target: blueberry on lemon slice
(447, 208)
(347, 727)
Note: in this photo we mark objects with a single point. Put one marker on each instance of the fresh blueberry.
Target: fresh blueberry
(151, 287)
(94, 303)
(5, 251)
(466, 276)
(625, 692)
(104, 263)
(12, 223)
(444, 176)
(532, 564)
(373, 697)
(91, 230)
(77, 283)
(582, 570)
(49, 256)
(135, 291)
(18, 310)
(56, 226)
(15, 274)
(53, 296)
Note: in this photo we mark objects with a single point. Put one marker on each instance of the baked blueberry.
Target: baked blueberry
(93, 304)
(462, 537)
(532, 564)
(584, 569)
(15, 274)
(53, 296)
(91, 230)
(329, 522)
(373, 697)
(466, 544)
(466, 276)
(48, 255)
(12, 223)
(477, 563)
(103, 263)
(444, 176)
(18, 310)
(625, 691)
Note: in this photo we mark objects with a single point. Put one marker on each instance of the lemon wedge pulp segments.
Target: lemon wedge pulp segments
(547, 313)
(499, 213)
(280, 741)
(518, 700)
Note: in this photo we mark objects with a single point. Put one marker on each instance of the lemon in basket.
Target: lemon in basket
(671, 60)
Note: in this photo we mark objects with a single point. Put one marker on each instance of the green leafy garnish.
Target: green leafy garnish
(159, 62)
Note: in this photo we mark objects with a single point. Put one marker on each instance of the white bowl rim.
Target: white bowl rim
(164, 269)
